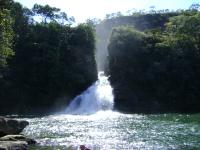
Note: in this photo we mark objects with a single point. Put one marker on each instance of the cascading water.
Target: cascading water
(96, 98)
(99, 95)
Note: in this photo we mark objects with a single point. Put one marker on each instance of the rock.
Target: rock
(15, 142)
(9, 135)
(11, 126)
(18, 138)
(14, 145)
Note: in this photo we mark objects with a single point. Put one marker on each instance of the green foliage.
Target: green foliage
(46, 11)
(5, 4)
(140, 21)
(157, 70)
(49, 14)
(186, 24)
(154, 60)
(53, 62)
(6, 37)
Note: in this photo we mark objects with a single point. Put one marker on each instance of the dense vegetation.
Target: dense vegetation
(43, 64)
(153, 59)
(138, 20)
(157, 69)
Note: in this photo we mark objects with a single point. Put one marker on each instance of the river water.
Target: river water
(108, 130)
(90, 121)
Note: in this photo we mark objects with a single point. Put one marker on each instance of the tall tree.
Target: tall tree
(46, 12)
(6, 36)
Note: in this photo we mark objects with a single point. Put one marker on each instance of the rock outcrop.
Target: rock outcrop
(18, 138)
(11, 126)
(14, 145)
(10, 137)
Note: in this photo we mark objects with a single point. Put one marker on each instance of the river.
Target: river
(108, 130)
(90, 121)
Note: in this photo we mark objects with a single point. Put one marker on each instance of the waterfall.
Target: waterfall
(99, 95)
(96, 98)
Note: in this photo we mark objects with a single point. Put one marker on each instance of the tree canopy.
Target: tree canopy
(6, 35)
(156, 70)
(43, 65)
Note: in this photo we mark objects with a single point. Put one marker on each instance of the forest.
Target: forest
(155, 65)
(43, 64)
(153, 61)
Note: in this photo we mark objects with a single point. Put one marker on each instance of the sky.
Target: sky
(89, 9)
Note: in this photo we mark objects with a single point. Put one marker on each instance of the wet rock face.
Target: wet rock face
(14, 145)
(10, 137)
(18, 138)
(11, 126)
(15, 142)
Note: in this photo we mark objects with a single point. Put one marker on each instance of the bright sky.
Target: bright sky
(84, 9)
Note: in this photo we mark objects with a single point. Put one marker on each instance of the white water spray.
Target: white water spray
(97, 97)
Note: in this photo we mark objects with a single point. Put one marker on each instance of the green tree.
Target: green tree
(157, 68)
(6, 37)
(6, 4)
(46, 12)
(49, 13)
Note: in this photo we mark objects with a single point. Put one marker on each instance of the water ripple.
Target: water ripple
(113, 131)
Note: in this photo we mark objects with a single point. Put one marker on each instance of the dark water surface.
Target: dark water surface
(115, 131)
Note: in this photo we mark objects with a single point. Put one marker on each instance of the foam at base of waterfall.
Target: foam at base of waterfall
(97, 97)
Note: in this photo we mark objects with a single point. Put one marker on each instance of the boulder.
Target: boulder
(18, 138)
(11, 126)
(14, 145)
(15, 142)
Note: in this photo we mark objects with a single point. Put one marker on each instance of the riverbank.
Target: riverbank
(10, 134)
